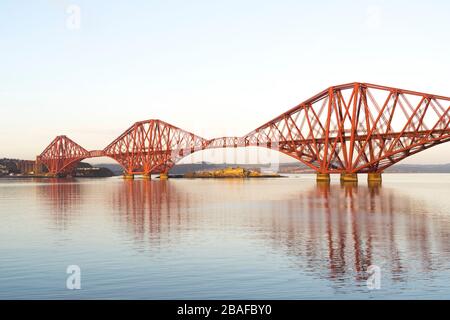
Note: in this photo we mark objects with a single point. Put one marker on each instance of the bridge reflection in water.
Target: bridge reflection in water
(335, 231)
(62, 198)
(330, 232)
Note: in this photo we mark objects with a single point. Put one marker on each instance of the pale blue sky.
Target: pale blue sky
(212, 67)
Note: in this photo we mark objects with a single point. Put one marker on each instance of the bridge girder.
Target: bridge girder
(351, 128)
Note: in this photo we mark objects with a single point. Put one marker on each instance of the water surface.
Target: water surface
(225, 239)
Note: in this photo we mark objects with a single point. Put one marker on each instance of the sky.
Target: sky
(89, 69)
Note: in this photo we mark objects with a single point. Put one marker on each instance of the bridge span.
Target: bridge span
(345, 129)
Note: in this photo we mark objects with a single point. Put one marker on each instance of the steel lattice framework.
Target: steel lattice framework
(152, 146)
(356, 128)
(351, 128)
(62, 155)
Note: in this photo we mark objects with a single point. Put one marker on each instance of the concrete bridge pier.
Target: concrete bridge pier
(323, 177)
(374, 177)
(349, 177)
(147, 176)
(127, 176)
(163, 176)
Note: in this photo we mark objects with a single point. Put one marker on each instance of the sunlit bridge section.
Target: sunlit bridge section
(356, 128)
(153, 146)
(346, 129)
(61, 156)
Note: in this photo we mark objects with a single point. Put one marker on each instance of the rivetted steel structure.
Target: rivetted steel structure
(347, 129)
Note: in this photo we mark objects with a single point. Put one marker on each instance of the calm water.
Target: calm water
(206, 239)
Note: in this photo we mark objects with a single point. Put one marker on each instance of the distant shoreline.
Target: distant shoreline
(47, 177)
(90, 171)
(180, 176)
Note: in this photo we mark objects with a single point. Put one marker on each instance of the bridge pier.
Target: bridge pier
(147, 176)
(323, 177)
(163, 176)
(349, 177)
(127, 176)
(374, 177)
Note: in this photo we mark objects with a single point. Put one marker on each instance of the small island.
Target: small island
(231, 172)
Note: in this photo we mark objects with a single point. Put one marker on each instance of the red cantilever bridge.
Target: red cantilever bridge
(347, 129)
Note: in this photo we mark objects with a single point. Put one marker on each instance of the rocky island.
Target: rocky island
(230, 172)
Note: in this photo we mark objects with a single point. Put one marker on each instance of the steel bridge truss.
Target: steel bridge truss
(351, 128)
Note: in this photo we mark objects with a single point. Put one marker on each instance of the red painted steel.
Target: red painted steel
(357, 127)
(350, 128)
(153, 146)
(61, 156)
